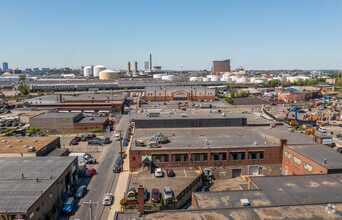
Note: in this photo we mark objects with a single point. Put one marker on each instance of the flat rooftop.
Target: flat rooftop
(58, 115)
(283, 212)
(18, 194)
(93, 120)
(153, 88)
(219, 137)
(185, 115)
(277, 191)
(79, 97)
(319, 152)
(18, 144)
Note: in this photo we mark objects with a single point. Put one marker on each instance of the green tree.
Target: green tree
(274, 82)
(232, 94)
(22, 78)
(24, 89)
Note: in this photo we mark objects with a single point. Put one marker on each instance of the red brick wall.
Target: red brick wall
(87, 126)
(272, 155)
(295, 169)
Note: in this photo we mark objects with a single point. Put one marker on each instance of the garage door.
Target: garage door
(253, 170)
(236, 173)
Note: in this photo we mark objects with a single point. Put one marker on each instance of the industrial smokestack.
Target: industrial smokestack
(151, 62)
(135, 67)
(129, 68)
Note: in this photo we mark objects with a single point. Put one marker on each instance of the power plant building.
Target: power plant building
(221, 66)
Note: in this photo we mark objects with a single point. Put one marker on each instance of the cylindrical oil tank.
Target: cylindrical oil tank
(158, 76)
(87, 71)
(215, 78)
(108, 75)
(206, 79)
(98, 69)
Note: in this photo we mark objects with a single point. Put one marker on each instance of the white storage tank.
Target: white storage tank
(108, 75)
(206, 79)
(158, 76)
(169, 77)
(98, 69)
(195, 79)
(215, 78)
(87, 71)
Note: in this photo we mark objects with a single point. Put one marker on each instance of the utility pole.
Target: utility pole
(90, 205)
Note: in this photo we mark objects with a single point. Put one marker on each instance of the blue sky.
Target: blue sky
(255, 34)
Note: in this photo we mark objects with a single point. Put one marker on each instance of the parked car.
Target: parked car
(106, 140)
(90, 172)
(132, 194)
(155, 196)
(339, 136)
(81, 191)
(117, 165)
(145, 195)
(170, 173)
(107, 199)
(339, 149)
(68, 205)
(322, 129)
(168, 194)
(124, 143)
(158, 172)
(94, 142)
(74, 142)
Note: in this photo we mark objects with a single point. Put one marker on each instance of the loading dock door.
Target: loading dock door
(236, 173)
(253, 170)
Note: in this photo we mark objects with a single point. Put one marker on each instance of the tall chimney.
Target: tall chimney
(141, 200)
(151, 62)
(129, 68)
(135, 67)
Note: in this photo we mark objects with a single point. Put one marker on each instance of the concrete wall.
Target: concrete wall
(227, 171)
(58, 124)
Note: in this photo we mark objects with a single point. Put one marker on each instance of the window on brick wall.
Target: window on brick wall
(296, 160)
(199, 157)
(220, 156)
(160, 158)
(307, 166)
(287, 154)
(255, 155)
(236, 155)
(179, 158)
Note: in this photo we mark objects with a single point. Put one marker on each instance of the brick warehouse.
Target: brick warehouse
(236, 148)
(179, 93)
(310, 159)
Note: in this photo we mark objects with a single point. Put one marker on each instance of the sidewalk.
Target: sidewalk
(120, 187)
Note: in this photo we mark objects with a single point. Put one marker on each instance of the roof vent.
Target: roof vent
(34, 141)
(3, 141)
(255, 143)
(325, 161)
(19, 141)
(31, 149)
(9, 146)
(206, 142)
(26, 146)
(245, 202)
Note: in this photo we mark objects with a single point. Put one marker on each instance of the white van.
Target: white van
(117, 137)
(322, 129)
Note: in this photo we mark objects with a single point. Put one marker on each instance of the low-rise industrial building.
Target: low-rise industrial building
(28, 146)
(65, 122)
(81, 102)
(310, 159)
(179, 93)
(30, 187)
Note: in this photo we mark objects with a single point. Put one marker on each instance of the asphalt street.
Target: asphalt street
(105, 181)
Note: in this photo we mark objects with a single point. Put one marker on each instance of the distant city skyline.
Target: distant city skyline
(259, 35)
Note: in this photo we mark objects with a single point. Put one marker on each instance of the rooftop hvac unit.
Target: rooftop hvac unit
(245, 202)
(9, 146)
(19, 141)
(3, 141)
(26, 146)
(31, 149)
(34, 140)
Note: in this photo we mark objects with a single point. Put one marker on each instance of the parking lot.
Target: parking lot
(183, 178)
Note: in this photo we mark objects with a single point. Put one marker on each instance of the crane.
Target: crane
(295, 109)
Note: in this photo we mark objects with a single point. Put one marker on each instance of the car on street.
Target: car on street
(90, 172)
(170, 173)
(117, 165)
(81, 191)
(106, 140)
(322, 129)
(124, 143)
(107, 199)
(339, 149)
(95, 142)
(74, 142)
(339, 136)
(68, 205)
(156, 196)
(158, 172)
